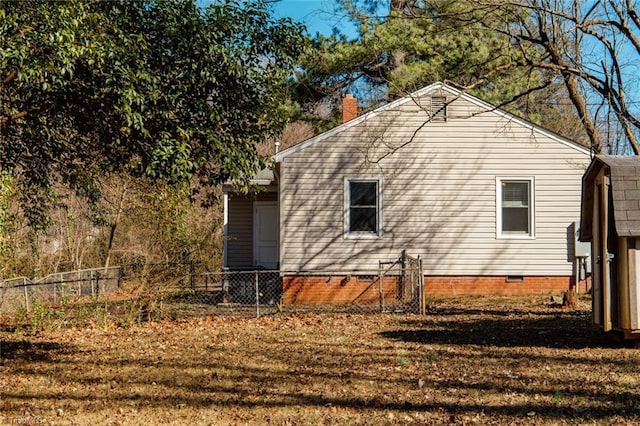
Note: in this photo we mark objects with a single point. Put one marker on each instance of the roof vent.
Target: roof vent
(438, 108)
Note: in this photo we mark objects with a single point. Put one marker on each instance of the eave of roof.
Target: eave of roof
(263, 177)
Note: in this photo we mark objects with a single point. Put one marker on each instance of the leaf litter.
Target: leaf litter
(491, 360)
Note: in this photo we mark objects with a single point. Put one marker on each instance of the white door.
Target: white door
(265, 234)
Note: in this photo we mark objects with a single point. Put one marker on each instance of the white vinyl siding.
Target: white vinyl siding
(515, 207)
(439, 193)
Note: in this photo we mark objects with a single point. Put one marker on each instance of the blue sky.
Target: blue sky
(319, 16)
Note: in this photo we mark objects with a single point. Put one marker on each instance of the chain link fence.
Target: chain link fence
(396, 286)
(238, 293)
(22, 293)
(266, 292)
(172, 291)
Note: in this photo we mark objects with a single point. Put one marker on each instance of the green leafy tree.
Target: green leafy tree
(163, 89)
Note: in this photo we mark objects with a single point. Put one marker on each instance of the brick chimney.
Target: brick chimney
(349, 108)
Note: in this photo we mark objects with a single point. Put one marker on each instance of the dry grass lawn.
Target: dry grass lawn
(470, 361)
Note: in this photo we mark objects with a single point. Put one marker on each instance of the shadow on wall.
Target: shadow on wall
(423, 210)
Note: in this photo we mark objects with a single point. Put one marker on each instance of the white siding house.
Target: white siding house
(480, 195)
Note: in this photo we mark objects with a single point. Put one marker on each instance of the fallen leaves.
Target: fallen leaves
(472, 361)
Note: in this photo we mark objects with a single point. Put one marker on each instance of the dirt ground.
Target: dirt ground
(470, 361)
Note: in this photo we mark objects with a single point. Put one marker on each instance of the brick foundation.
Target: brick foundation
(337, 290)
(364, 290)
(499, 285)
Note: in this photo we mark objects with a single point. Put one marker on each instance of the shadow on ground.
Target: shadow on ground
(550, 328)
(33, 351)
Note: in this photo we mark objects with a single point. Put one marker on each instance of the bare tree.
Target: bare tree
(593, 47)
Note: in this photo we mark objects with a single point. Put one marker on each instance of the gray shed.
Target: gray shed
(610, 220)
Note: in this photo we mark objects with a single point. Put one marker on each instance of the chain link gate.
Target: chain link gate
(405, 276)
(413, 283)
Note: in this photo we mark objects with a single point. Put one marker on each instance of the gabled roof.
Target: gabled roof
(624, 172)
(422, 92)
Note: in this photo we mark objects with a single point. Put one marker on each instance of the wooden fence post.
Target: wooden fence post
(26, 298)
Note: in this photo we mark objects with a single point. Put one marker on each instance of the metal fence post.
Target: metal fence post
(423, 293)
(380, 287)
(403, 276)
(225, 287)
(93, 284)
(257, 295)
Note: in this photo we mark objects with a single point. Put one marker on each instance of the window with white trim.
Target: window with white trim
(363, 207)
(515, 210)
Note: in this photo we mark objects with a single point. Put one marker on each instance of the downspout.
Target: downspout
(276, 178)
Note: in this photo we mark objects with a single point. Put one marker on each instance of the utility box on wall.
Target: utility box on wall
(580, 248)
(581, 255)
(610, 220)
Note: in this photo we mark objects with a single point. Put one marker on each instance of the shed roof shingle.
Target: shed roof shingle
(624, 172)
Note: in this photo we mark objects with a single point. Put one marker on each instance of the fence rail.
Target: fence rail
(54, 289)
